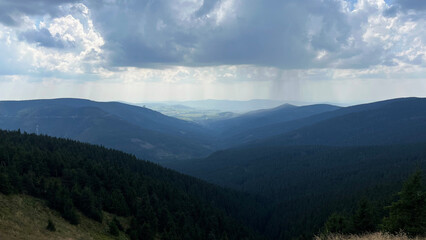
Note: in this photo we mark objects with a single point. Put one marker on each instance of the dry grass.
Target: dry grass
(372, 236)
(25, 218)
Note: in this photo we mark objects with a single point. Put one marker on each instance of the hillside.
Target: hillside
(230, 105)
(200, 116)
(308, 183)
(72, 176)
(371, 236)
(244, 128)
(141, 131)
(396, 121)
(25, 218)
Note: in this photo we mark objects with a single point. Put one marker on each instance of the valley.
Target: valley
(295, 163)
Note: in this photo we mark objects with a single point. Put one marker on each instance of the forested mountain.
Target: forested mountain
(137, 130)
(307, 183)
(230, 105)
(299, 182)
(159, 203)
(395, 121)
(197, 115)
(243, 128)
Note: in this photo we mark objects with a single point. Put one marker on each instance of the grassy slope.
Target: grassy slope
(372, 236)
(24, 217)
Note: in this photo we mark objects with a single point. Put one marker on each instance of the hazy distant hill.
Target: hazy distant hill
(229, 105)
(138, 130)
(200, 116)
(245, 128)
(393, 121)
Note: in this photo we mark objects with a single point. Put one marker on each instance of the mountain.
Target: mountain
(141, 131)
(243, 128)
(325, 162)
(155, 203)
(395, 121)
(183, 112)
(308, 183)
(229, 105)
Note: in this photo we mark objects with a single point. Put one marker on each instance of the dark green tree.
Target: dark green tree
(88, 205)
(5, 186)
(337, 223)
(69, 212)
(51, 226)
(117, 223)
(113, 228)
(363, 220)
(408, 213)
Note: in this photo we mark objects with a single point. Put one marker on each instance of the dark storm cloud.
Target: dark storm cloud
(10, 10)
(43, 38)
(272, 33)
(131, 29)
(411, 4)
(288, 34)
(276, 34)
(32, 7)
(7, 20)
(206, 8)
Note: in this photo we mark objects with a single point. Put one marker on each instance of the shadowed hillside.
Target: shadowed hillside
(137, 130)
(72, 176)
(395, 121)
(25, 218)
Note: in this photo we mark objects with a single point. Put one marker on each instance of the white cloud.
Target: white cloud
(217, 49)
(77, 49)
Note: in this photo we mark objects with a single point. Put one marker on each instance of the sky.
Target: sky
(341, 51)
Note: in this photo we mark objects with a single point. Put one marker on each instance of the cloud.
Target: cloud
(67, 44)
(104, 37)
(205, 33)
(417, 5)
(43, 38)
(284, 34)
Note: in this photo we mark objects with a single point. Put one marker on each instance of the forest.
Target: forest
(306, 184)
(161, 203)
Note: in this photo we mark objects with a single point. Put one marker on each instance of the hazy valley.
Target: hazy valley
(212, 119)
(295, 162)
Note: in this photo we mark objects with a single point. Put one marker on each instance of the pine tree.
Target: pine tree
(408, 213)
(118, 224)
(69, 212)
(113, 228)
(363, 219)
(51, 226)
(5, 186)
(337, 223)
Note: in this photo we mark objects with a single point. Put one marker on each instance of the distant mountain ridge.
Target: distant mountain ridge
(395, 121)
(229, 105)
(243, 128)
(308, 160)
(141, 131)
(157, 137)
(322, 162)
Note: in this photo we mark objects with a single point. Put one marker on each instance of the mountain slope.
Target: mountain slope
(308, 183)
(242, 129)
(159, 202)
(396, 121)
(229, 105)
(137, 130)
(26, 218)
